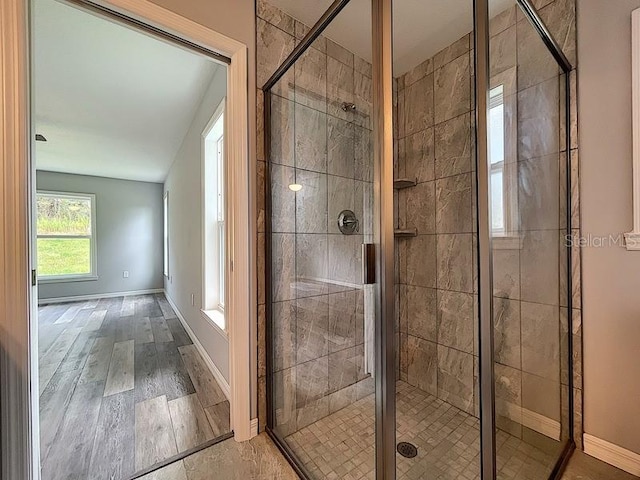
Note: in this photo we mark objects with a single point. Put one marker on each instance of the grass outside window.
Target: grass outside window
(64, 256)
(66, 236)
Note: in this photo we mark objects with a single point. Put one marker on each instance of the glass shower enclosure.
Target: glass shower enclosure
(418, 282)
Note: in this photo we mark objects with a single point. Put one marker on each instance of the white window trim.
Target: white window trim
(165, 234)
(19, 413)
(211, 280)
(221, 214)
(93, 244)
(216, 319)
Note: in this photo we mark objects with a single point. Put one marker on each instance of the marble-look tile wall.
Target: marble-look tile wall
(437, 286)
(318, 312)
(437, 294)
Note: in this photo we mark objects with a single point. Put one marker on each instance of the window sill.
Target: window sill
(506, 242)
(216, 319)
(70, 278)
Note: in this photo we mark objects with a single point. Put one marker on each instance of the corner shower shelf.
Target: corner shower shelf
(404, 183)
(410, 232)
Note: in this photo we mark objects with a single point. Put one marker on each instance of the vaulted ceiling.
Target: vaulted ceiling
(110, 101)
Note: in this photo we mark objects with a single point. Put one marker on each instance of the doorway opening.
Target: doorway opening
(20, 406)
(132, 374)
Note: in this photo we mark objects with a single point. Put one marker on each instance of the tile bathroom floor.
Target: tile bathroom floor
(257, 459)
(341, 446)
(122, 388)
(455, 458)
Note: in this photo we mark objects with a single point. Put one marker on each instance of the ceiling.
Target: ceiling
(421, 27)
(111, 101)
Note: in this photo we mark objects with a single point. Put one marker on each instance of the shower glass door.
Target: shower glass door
(528, 181)
(321, 308)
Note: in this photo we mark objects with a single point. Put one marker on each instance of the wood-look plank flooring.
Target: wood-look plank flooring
(122, 387)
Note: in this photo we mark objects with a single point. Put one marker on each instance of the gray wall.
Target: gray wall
(611, 275)
(128, 231)
(236, 19)
(185, 228)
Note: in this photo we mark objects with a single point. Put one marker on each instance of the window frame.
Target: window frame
(214, 240)
(508, 237)
(497, 100)
(93, 243)
(220, 207)
(165, 234)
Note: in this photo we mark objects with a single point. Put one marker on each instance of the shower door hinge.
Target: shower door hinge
(368, 263)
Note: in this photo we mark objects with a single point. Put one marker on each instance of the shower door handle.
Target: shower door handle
(368, 263)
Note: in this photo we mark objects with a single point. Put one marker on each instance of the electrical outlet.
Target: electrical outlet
(193, 300)
(125, 274)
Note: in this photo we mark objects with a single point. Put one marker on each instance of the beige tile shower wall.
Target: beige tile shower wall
(318, 310)
(436, 275)
(437, 296)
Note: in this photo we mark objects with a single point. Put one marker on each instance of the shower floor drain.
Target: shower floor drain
(407, 449)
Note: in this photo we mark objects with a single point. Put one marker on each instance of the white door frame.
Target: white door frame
(19, 386)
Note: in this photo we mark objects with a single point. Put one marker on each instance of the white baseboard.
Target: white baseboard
(541, 424)
(254, 427)
(612, 454)
(96, 296)
(533, 420)
(217, 374)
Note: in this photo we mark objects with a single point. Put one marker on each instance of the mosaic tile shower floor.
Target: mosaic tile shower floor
(341, 446)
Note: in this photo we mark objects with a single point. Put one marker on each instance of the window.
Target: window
(66, 244)
(220, 217)
(166, 234)
(214, 219)
(503, 140)
(496, 159)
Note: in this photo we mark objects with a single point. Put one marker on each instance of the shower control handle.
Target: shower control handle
(368, 263)
(348, 223)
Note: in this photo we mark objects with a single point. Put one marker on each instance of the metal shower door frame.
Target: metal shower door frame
(382, 82)
(484, 243)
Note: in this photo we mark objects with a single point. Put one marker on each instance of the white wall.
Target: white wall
(128, 234)
(185, 228)
(611, 275)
